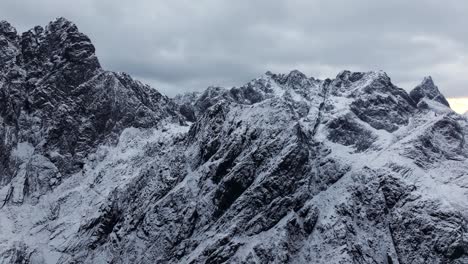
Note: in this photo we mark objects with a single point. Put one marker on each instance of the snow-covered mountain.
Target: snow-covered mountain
(96, 167)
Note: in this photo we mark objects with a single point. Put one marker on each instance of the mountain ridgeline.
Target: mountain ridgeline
(96, 167)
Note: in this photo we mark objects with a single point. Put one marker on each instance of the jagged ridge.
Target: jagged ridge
(285, 169)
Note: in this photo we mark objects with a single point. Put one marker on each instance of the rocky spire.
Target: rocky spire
(60, 40)
(8, 43)
(8, 31)
(55, 95)
(427, 89)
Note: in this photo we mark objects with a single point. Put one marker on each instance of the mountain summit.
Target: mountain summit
(96, 167)
(427, 89)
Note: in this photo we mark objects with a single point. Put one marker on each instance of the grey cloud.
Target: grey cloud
(185, 45)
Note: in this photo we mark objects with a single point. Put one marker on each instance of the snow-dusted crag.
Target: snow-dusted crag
(96, 167)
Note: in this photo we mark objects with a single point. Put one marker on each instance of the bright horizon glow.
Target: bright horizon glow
(459, 105)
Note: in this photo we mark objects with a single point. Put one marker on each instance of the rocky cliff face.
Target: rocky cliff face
(57, 105)
(98, 168)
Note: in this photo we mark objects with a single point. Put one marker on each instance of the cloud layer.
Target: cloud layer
(185, 45)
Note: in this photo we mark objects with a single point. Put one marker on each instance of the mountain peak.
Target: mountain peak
(297, 73)
(61, 22)
(428, 81)
(428, 89)
(362, 82)
(7, 30)
(294, 74)
(60, 42)
(350, 76)
(295, 79)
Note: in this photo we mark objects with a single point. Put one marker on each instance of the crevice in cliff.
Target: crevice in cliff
(321, 107)
(397, 254)
(318, 120)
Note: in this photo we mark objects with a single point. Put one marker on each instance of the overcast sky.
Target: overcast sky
(178, 46)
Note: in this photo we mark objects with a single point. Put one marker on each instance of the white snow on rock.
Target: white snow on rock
(285, 169)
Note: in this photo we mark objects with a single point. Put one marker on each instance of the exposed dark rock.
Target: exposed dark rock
(96, 167)
(427, 89)
(346, 131)
(66, 104)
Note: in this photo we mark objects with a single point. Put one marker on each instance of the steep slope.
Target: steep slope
(57, 105)
(285, 169)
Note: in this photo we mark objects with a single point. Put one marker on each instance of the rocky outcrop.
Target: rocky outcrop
(427, 89)
(99, 168)
(57, 105)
